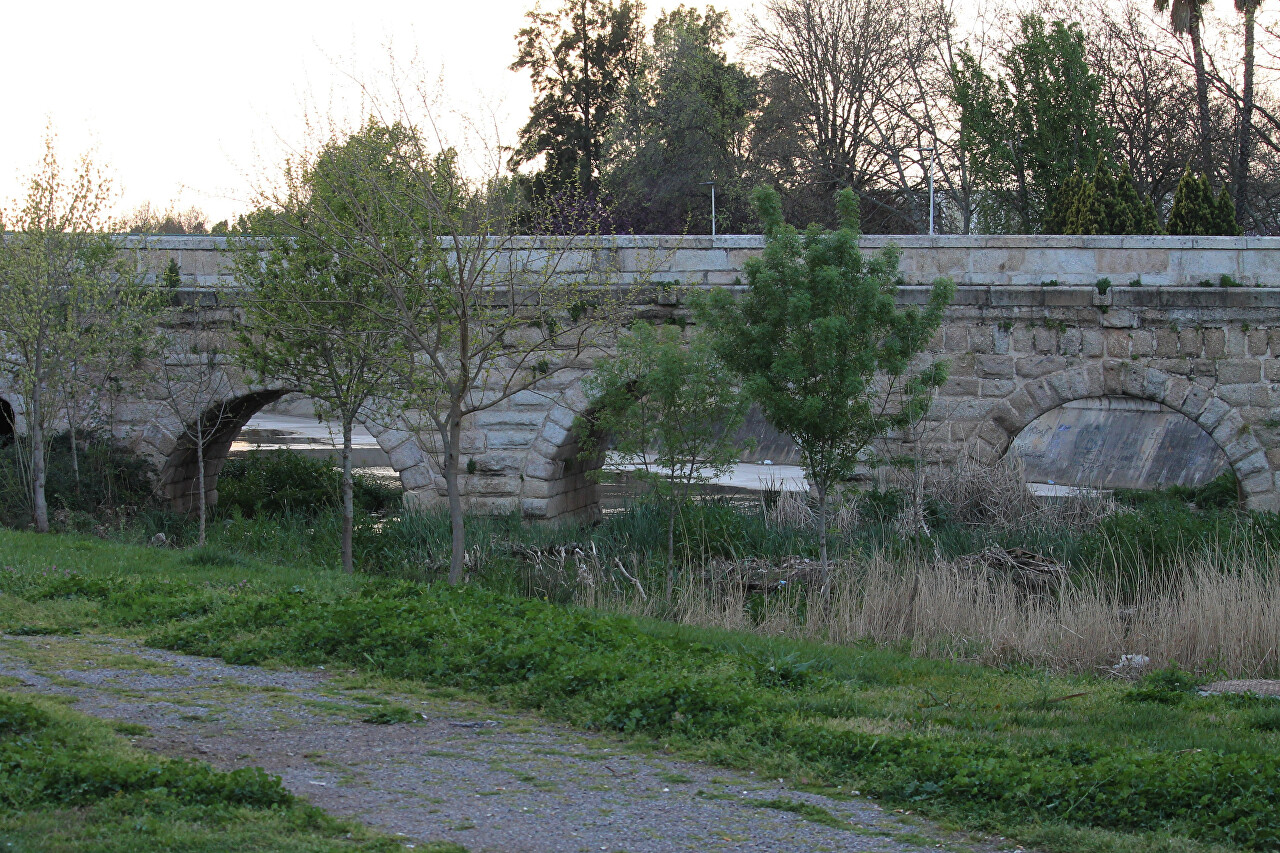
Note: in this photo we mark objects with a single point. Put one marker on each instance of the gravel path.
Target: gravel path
(489, 780)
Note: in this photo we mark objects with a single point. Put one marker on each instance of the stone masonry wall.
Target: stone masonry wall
(1030, 329)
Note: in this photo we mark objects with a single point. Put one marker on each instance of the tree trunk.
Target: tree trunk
(348, 500)
(75, 455)
(200, 494)
(822, 542)
(39, 505)
(1202, 97)
(1244, 142)
(452, 458)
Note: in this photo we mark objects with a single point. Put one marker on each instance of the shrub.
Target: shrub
(113, 482)
(278, 482)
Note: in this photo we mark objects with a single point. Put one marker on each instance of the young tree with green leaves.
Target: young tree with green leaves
(580, 58)
(1030, 125)
(313, 318)
(669, 410)
(819, 341)
(68, 296)
(479, 313)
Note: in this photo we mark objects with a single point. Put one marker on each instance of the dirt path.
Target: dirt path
(462, 772)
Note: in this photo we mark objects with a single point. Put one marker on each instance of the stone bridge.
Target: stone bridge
(1190, 323)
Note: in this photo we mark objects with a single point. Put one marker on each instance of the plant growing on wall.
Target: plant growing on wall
(819, 341)
(669, 410)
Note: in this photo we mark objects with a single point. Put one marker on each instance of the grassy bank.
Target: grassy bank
(69, 783)
(1072, 763)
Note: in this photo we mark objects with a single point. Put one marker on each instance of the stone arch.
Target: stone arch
(222, 422)
(1199, 403)
(556, 478)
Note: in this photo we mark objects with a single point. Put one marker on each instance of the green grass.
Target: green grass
(68, 783)
(1094, 764)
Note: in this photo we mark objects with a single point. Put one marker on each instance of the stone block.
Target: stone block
(501, 439)
(540, 468)
(1235, 371)
(960, 386)
(995, 367)
(1249, 394)
(1044, 395)
(1117, 343)
(1251, 464)
(1068, 296)
(1118, 318)
(1228, 429)
(1260, 492)
(1259, 342)
(1035, 366)
(1215, 343)
(1142, 343)
(405, 455)
(1091, 343)
(1166, 343)
(1212, 415)
(997, 387)
(417, 477)
(1045, 340)
(1191, 342)
(1193, 404)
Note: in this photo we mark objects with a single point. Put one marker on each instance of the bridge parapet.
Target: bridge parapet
(1023, 260)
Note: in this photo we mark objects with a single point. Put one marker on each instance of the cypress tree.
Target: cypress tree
(1064, 203)
(1138, 213)
(1187, 216)
(1110, 216)
(1225, 215)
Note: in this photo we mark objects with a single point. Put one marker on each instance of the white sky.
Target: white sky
(187, 102)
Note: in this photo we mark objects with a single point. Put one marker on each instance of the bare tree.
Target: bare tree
(194, 387)
(835, 114)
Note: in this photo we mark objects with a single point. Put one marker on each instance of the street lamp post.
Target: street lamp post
(932, 157)
(712, 184)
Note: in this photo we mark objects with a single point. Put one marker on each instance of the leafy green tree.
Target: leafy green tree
(819, 342)
(670, 411)
(313, 317)
(686, 120)
(581, 58)
(1030, 125)
(68, 297)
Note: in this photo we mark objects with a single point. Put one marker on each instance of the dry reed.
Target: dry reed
(1213, 614)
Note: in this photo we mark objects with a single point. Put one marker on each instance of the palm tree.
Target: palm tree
(1185, 16)
(1244, 141)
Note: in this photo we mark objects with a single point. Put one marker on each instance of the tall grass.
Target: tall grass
(1212, 614)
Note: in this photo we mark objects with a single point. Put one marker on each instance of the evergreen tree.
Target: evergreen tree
(1225, 219)
(819, 341)
(1197, 213)
(1064, 204)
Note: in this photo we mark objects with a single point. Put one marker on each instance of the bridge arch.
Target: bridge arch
(1114, 378)
(172, 445)
(556, 478)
